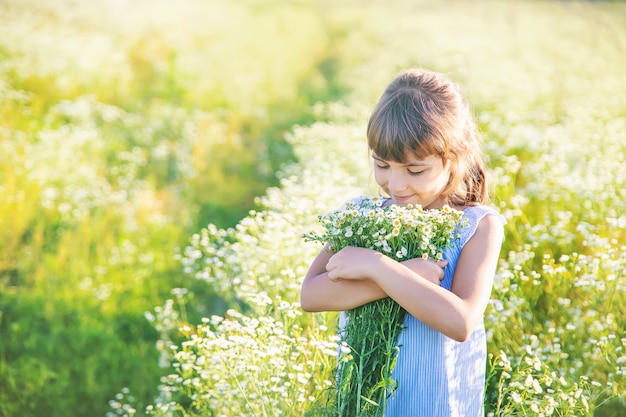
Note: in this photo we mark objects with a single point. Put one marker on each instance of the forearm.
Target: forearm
(435, 306)
(319, 293)
(455, 313)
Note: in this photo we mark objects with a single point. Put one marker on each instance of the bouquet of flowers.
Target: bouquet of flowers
(369, 338)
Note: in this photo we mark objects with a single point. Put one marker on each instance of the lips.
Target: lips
(402, 199)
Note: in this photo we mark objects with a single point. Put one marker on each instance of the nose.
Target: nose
(397, 182)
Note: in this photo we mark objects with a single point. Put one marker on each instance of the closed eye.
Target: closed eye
(415, 172)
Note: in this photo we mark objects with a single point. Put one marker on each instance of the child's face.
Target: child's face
(416, 181)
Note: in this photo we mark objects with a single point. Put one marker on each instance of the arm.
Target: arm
(321, 293)
(455, 313)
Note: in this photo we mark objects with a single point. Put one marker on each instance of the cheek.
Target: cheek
(442, 182)
(447, 177)
(378, 176)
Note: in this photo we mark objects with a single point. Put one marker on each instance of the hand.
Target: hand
(352, 263)
(427, 268)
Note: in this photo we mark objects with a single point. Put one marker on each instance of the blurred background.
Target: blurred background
(128, 126)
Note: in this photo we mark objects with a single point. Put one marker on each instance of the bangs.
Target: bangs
(396, 130)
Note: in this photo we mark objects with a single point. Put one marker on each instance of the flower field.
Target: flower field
(139, 275)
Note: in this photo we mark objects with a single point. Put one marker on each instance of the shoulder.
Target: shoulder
(490, 227)
(482, 220)
(484, 244)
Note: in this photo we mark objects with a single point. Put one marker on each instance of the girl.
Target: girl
(426, 150)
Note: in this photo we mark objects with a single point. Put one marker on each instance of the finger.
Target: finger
(442, 264)
(330, 265)
(333, 277)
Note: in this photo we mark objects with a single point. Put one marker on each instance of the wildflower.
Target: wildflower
(516, 397)
(536, 387)
(528, 382)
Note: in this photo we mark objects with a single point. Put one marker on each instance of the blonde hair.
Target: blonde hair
(424, 113)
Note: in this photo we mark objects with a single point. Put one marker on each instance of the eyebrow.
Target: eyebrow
(409, 164)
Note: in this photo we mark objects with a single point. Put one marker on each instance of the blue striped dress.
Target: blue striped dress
(437, 376)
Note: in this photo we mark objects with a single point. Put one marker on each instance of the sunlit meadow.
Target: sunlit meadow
(125, 130)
